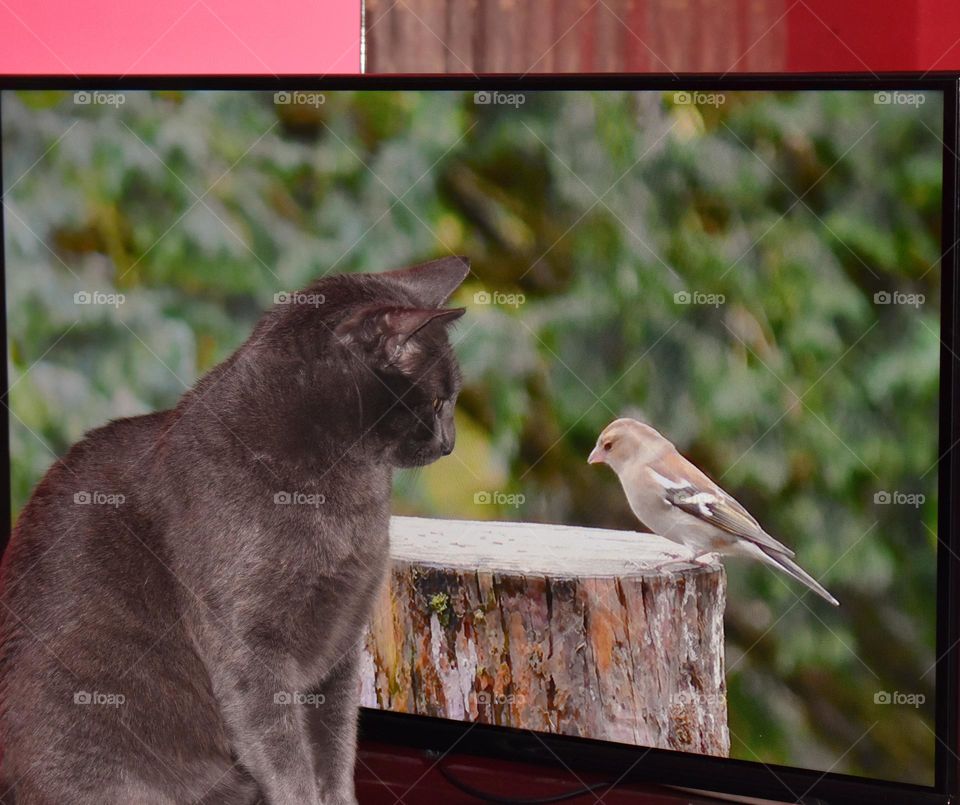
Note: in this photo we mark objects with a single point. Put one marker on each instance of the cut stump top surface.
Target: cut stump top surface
(535, 548)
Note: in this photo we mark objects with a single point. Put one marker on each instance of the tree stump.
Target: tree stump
(552, 628)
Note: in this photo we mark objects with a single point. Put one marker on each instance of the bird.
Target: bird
(672, 496)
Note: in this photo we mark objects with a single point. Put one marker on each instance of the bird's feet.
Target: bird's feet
(689, 558)
(673, 559)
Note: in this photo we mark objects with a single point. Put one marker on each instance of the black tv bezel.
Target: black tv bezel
(637, 763)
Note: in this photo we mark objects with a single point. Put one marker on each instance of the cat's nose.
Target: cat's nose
(446, 447)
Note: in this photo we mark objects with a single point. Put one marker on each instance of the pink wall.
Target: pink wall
(130, 37)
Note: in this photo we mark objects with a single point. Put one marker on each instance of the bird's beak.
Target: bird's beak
(596, 456)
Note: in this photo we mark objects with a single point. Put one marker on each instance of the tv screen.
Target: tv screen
(734, 299)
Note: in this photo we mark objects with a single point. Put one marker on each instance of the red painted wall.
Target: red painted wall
(826, 35)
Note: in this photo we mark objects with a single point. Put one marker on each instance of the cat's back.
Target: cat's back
(102, 472)
(86, 528)
(91, 617)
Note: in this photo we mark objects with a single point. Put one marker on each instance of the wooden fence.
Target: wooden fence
(543, 36)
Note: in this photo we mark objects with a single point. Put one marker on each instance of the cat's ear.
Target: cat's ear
(432, 283)
(385, 334)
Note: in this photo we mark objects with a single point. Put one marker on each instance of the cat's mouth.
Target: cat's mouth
(421, 456)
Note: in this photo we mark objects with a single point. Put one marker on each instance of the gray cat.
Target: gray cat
(183, 597)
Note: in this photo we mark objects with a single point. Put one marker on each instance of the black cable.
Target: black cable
(485, 796)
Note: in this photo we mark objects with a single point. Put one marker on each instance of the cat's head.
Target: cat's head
(406, 350)
(369, 362)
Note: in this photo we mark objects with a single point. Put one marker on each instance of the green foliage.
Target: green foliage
(586, 216)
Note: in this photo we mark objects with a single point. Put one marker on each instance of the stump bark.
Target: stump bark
(553, 628)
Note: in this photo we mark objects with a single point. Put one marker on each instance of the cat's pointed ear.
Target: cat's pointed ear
(432, 283)
(384, 334)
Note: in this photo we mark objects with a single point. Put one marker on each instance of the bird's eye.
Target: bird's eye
(608, 446)
(437, 404)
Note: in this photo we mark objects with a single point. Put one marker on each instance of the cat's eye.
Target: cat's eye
(437, 404)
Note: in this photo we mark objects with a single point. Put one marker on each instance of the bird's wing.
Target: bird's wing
(710, 504)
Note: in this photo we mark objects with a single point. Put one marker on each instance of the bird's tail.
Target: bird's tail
(792, 569)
